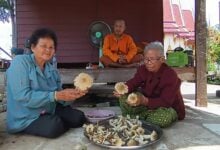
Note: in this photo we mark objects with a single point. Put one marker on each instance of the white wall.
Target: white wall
(173, 41)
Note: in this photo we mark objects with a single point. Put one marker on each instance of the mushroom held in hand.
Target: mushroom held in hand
(133, 99)
(83, 81)
(121, 88)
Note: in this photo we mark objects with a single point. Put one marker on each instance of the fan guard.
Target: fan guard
(97, 31)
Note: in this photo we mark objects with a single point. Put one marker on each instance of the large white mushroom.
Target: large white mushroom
(121, 88)
(83, 81)
(132, 99)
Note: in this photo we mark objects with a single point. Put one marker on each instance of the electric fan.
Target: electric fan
(97, 31)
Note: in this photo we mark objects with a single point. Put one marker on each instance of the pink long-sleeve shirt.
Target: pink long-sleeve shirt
(161, 88)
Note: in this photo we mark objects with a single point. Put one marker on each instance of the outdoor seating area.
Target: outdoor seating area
(96, 80)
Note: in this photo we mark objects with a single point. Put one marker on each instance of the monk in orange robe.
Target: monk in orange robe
(119, 49)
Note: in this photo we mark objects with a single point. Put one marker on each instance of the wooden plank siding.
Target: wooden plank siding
(71, 19)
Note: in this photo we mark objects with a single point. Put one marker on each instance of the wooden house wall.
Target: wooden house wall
(71, 19)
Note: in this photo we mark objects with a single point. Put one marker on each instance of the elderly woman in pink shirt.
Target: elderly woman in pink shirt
(161, 101)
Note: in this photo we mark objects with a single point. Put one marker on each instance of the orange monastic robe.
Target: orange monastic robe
(113, 47)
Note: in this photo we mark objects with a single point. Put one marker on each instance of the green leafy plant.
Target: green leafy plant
(213, 54)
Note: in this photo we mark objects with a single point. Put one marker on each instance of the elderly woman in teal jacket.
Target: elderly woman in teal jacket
(36, 102)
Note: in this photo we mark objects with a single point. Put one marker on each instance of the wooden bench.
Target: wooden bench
(101, 77)
(113, 75)
(117, 74)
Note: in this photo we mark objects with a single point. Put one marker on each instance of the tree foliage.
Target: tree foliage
(4, 11)
(213, 47)
(7, 13)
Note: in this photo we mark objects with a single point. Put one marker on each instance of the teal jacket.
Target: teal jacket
(30, 91)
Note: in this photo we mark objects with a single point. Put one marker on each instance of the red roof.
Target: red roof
(170, 25)
(179, 18)
(168, 18)
(177, 15)
(189, 22)
(177, 21)
(188, 19)
(168, 12)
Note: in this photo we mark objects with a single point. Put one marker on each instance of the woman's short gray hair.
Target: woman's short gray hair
(158, 46)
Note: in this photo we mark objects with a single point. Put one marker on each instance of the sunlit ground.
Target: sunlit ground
(209, 147)
(5, 38)
(188, 91)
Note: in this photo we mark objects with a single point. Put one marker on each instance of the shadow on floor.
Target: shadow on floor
(93, 100)
(211, 98)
